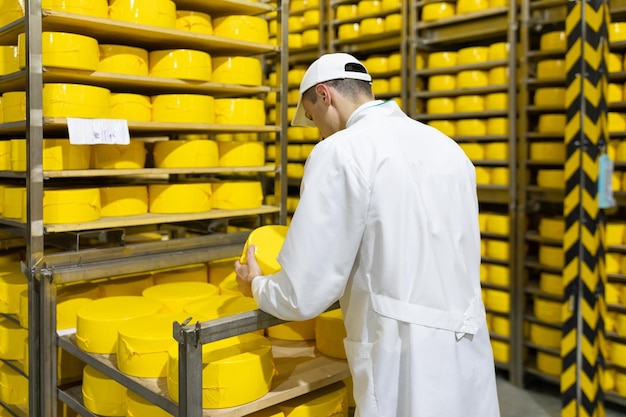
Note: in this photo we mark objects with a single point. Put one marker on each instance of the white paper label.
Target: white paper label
(98, 131)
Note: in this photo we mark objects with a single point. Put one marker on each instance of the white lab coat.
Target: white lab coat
(387, 223)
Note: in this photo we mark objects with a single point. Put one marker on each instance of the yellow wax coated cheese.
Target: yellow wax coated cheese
(71, 205)
(185, 154)
(128, 200)
(179, 198)
(237, 195)
(329, 334)
(268, 241)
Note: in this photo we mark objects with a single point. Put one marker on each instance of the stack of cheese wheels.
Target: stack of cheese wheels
(60, 154)
(13, 386)
(237, 195)
(9, 59)
(237, 70)
(130, 106)
(146, 12)
(188, 273)
(98, 322)
(64, 50)
(76, 100)
(71, 205)
(123, 59)
(132, 284)
(243, 28)
(131, 156)
(327, 401)
(175, 295)
(179, 198)
(138, 406)
(183, 108)
(329, 334)
(193, 21)
(130, 200)
(185, 153)
(94, 8)
(235, 371)
(241, 154)
(103, 395)
(143, 344)
(184, 64)
(240, 111)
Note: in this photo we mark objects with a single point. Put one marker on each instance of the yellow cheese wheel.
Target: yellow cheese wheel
(193, 21)
(129, 200)
(615, 233)
(94, 8)
(498, 223)
(614, 62)
(551, 178)
(75, 100)
(131, 156)
(366, 7)
(442, 59)
(440, 105)
(497, 150)
(237, 70)
(550, 96)
(176, 295)
(551, 256)
(497, 125)
(98, 322)
(498, 249)
(328, 401)
(67, 311)
(131, 107)
(483, 175)
(547, 151)
(9, 59)
(64, 50)
(71, 205)
(59, 154)
(123, 59)
(143, 344)
(138, 406)
(472, 79)
(295, 330)
(11, 10)
(501, 350)
(311, 17)
(499, 274)
(12, 337)
(611, 293)
(193, 272)
(615, 93)
(372, 25)
(5, 157)
(472, 54)
(551, 68)
(219, 269)
(496, 101)
(229, 285)
(236, 195)
(14, 203)
(235, 371)
(447, 127)
(13, 385)
(545, 336)
(160, 13)
(551, 228)
(618, 353)
(501, 325)
(394, 22)
(13, 106)
(268, 241)
(18, 155)
(500, 176)
(329, 334)
(243, 28)
(346, 11)
(617, 31)
(613, 261)
(551, 283)
(240, 111)
(471, 127)
(441, 82)
(469, 103)
(499, 301)
(555, 40)
(310, 37)
(124, 285)
(438, 10)
(470, 6)
(183, 108)
(185, 154)
(241, 154)
(184, 64)
(103, 395)
(179, 198)
(549, 364)
(497, 51)
(348, 31)
(548, 310)
(552, 123)
(498, 76)
(617, 122)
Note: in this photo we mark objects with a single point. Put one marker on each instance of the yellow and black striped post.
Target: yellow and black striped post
(584, 275)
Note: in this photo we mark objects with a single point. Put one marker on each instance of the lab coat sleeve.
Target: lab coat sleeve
(322, 243)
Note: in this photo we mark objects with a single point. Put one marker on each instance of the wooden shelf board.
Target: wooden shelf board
(227, 7)
(152, 171)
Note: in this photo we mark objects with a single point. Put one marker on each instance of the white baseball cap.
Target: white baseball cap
(328, 67)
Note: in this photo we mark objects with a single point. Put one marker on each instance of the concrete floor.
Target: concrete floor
(538, 400)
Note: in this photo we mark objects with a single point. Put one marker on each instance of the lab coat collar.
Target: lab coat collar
(363, 110)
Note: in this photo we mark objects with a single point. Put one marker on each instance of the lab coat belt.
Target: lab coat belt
(460, 323)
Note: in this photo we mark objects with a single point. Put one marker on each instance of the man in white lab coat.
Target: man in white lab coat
(387, 224)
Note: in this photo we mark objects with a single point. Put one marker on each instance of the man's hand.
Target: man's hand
(247, 272)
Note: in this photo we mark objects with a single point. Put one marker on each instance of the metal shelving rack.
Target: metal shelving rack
(478, 28)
